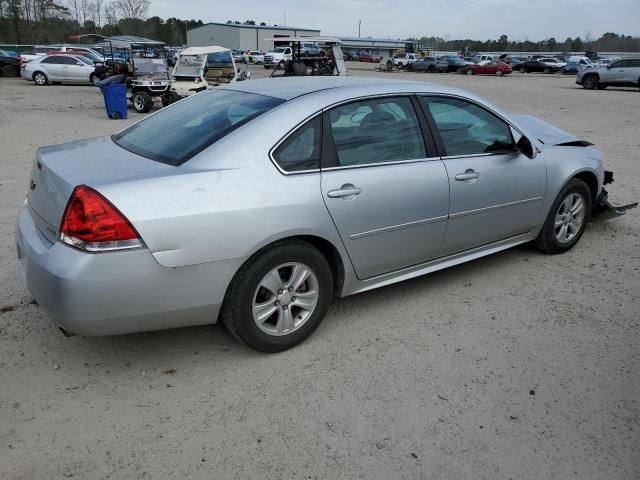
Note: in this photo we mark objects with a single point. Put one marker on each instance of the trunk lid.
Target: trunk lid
(58, 169)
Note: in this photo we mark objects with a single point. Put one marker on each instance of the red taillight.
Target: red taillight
(90, 222)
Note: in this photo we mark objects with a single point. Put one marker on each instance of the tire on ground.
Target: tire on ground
(237, 313)
(546, 239)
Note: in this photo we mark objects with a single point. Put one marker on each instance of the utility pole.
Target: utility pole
(359, 25)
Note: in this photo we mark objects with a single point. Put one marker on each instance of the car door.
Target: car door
(495, 191)
(615, 73)
(53, 68)
(73, 72)
(385, 188)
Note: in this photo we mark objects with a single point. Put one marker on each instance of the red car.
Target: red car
(365, 57)
(494, 68)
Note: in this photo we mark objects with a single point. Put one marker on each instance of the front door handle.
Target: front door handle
(347, 190)
(467, 175)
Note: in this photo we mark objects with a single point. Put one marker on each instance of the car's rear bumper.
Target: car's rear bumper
(117, 292)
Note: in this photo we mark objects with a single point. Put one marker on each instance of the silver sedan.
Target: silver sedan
(58, 68)
(259, 202)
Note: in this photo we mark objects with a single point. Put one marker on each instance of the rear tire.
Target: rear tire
(590, 82)
(468, 72)
(247, 291)
(499, 73)
(40, 78)
(523, 70)
(9, 71)
(142, 102)
(549, 239)
(547, 70)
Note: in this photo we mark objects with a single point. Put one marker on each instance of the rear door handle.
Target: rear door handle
(347, 190)
(467, 175)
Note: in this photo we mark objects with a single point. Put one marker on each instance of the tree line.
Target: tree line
(53, 21)
(609, 42)
(36, 22)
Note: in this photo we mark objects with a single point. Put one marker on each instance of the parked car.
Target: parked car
(8, 53)
(571, 68)
(484, 59)
(254, 56)
(535, 66)
(125, 233)
(552, 61)
(404, 60)
(278, 57)
(349, 56)
(585, 61)
(492, 68)
(9, 66)
(428, 64)
(366, 57)
(58, 68)
(455, 63)
(32, 54)
(309, 50)
(621, 73)
(238, 56)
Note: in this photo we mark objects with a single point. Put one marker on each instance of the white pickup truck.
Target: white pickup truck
(277, 57)
(405, 59)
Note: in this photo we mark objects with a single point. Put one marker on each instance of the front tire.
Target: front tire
(567, 219)
(499, 73)
(9, 71)
(142, 102)
(523, 70)
(469, 72)
(279, 297)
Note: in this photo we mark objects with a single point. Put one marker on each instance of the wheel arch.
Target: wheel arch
(590, 179)
(327, 248)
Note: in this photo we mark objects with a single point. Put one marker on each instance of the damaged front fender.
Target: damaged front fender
(602, 209)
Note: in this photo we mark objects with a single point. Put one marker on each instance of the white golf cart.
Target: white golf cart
(199, 68)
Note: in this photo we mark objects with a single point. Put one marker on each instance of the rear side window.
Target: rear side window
(177, 133)
(54, 59)
(301, 150)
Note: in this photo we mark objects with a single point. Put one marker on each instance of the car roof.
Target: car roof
(293, 87)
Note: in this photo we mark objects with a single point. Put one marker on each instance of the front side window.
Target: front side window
(176, 134)
(376, 131)
(301, 150)
(467, 129)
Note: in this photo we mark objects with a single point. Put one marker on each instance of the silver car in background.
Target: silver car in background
(58, 68)
(621, 73)
(347, 184)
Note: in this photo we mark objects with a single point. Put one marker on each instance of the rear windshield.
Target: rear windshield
(177, 133)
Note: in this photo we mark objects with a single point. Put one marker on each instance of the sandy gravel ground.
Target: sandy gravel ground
(519, 365)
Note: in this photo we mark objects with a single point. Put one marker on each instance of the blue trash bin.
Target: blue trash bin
(115, 100)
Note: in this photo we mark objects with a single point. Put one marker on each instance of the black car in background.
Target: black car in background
(455, 63)
(9, 66)
(535, 66)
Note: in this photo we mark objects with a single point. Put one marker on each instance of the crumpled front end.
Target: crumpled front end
(602, 209)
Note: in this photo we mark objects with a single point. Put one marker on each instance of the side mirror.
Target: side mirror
(523, 144)
(525, 147)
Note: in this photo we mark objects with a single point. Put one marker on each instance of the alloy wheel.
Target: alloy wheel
(569, 217)
(40, 79)
(285, 299)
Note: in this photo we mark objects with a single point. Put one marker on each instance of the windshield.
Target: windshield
(3, 53)
(175, 134)
(220, 59)
(278, 50)
(150, 65)
(189, 65)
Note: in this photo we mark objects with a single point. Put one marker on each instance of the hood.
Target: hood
(544, 132)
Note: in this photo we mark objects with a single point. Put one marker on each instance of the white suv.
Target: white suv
(622, 73)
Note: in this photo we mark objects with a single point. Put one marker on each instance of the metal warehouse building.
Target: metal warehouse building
(243, 37)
